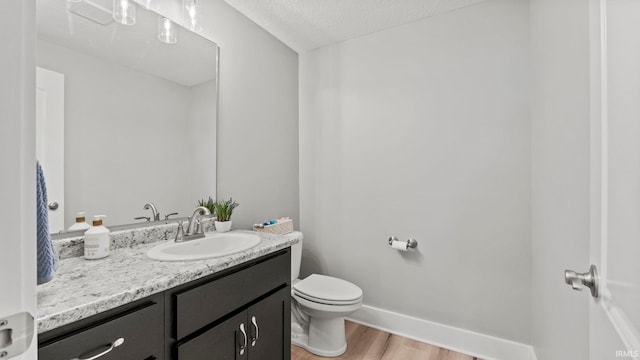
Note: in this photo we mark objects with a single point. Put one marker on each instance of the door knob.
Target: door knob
(53, 206)
(588, 279)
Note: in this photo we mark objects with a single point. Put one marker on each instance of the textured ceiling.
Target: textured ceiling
(308, 24)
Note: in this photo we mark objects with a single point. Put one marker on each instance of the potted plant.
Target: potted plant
(209, 204)
(223, 210)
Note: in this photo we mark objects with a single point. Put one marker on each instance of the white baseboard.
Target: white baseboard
(463, 341)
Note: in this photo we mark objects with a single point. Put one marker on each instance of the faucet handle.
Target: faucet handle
(179, 233)
(199, 229)
(142, 218)
(166, 217)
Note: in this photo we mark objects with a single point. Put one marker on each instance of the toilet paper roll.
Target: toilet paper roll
(399, 245)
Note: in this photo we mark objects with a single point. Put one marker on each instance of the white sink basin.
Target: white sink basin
(213, 245)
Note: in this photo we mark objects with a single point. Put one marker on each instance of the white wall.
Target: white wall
(424, 131)
(560, 185)
(257, 115)
(257, 119)
(135, 145)
(17, 160)
(202, 139)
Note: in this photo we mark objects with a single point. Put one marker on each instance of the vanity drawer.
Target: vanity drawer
(141, 328)
(209, 302)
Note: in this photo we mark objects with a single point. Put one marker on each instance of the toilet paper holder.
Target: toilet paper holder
(411, 243)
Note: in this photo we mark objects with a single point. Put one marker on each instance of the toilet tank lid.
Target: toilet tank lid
(328, 288)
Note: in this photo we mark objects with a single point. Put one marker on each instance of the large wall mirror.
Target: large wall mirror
(123, 119)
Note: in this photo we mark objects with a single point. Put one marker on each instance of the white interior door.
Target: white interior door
(615, 201)
(50, 141)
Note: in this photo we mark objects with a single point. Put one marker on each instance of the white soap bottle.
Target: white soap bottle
(80, 224)
(97, 240)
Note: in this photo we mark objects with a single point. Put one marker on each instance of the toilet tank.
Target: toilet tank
(296, 259)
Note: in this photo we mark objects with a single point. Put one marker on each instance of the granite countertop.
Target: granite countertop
(82, 288)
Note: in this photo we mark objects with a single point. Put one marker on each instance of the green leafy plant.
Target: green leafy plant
(209, 204)
(224, 209)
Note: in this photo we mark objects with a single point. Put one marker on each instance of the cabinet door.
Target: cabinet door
(270, 327)
(227, 341)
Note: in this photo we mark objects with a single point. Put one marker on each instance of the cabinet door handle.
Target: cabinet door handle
(110, 347)
(255, 325)
(243, 345)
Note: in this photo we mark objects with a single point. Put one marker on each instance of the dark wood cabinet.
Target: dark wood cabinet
(270, 327)
(137, 331)
(202, 302)
(242, 313)
(257, 332)
(223, 341)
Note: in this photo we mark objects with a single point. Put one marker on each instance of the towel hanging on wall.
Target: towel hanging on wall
(47, 256)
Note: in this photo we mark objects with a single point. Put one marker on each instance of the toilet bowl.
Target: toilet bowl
(318, 307)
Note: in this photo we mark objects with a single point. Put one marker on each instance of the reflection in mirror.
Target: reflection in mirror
(123, 119)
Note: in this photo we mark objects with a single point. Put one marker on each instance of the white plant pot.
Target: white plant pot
(223, 226)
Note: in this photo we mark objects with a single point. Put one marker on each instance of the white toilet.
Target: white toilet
(318, 306)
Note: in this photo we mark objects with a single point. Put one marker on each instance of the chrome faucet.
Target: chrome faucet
(192, 231)
(154, 212)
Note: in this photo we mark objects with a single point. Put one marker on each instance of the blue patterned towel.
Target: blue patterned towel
(47, 257)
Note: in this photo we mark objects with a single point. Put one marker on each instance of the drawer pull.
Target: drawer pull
(113, 345)
(243, 346)
(255, 325)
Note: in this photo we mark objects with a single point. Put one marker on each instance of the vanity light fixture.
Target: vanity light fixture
(192, 12)
(167, 31)
(124, 12)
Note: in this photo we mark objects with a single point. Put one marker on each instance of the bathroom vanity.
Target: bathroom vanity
(234, 307)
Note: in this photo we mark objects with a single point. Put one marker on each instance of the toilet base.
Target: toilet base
(303, 342)
(326, 337)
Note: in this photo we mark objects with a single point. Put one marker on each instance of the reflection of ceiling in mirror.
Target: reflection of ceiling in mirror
(190, 62)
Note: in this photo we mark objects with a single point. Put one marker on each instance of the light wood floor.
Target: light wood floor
(364, 343)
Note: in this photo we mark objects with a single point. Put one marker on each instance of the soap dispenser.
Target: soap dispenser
(80, 224)
(97, 241)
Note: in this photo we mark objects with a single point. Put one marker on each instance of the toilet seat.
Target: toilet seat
(327, 290)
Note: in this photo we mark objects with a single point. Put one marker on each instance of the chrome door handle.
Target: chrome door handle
(110, 348)
(588, 279)
(53, 206)
(243, 345)
(254, 339)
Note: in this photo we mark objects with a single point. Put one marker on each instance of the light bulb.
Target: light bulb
(124, 12)
(192, 12)
(167, 31)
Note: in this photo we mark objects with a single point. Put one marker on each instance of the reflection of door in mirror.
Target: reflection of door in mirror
(50, 141)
